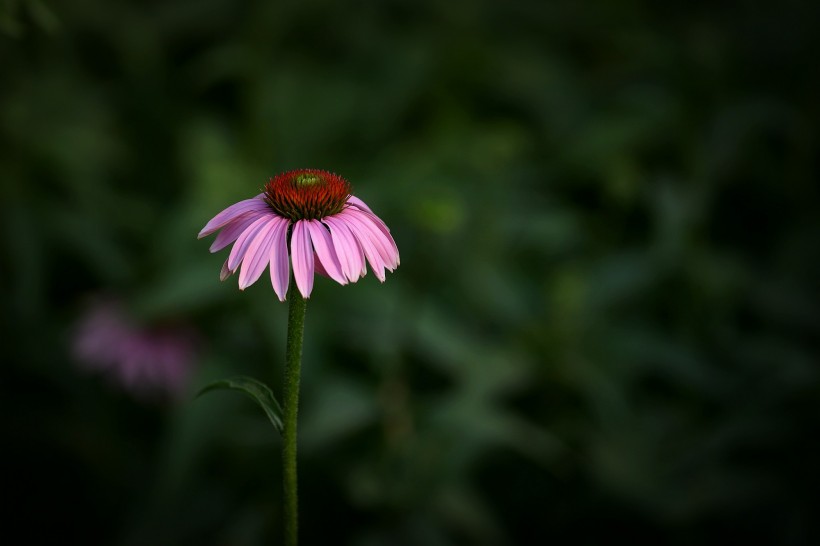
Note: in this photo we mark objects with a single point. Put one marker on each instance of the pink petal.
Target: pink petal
(365, 240)
(279, 261)
(256, 204)
(356, 202)
(244, 241)
(381, 242)
(225, 272)
(325, 251)
(381, 226)
(258, 255)
(302, 257)
(349, 252)
(318, 268)
(234, 229)
(389, 257)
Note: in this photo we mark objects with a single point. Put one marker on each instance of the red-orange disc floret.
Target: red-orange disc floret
(307, 194)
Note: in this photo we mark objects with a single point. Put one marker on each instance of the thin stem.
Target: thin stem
(293, 363)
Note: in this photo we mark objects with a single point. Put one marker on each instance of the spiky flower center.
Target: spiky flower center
(307, 194)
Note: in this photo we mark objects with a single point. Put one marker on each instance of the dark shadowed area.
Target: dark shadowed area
(605, 325)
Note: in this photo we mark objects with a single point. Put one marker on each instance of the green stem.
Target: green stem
(293, 363)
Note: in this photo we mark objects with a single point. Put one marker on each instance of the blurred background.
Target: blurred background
(606, 319)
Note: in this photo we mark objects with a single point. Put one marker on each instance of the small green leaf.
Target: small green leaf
(257, 390)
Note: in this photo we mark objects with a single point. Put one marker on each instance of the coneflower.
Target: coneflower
(308, 220)
(146, 361)
(330, 232)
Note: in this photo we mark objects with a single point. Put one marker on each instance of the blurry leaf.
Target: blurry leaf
(340, 408)
(26, 260)
(43, 16)
(181, 290)
(257, 390)
(466, 510)
(441, 214)
(95, 245)
(9, 18)
(619, 278)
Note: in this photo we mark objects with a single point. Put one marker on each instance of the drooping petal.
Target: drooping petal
(364, 238)
(325, 251)
(360, 208)
(241, 245)
(233, 229)
(255, 204)
(258, 255)
(302, 257)
(356, 202)
(225, 272)
(279, 260)
(382, 243)
(348, 250)
(318, 268)
(381, 226)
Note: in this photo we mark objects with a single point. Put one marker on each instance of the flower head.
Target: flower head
(144, 361)
(309, 218)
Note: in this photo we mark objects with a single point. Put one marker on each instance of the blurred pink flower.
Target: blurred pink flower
(144, 361)
(332, 233)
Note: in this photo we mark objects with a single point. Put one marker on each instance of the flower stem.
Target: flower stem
(293, 363)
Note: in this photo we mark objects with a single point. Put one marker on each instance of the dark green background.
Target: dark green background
(606, 321)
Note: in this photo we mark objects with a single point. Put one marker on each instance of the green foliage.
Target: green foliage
(256, 390)
(606, 318)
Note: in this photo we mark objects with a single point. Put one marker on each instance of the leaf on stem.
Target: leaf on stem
(257, 390)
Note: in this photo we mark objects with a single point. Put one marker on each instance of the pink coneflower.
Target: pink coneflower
(330, 232)
(145, 361)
